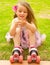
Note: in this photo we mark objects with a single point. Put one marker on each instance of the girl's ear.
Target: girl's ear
(14, 8)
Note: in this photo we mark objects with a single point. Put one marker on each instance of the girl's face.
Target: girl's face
(22, 12)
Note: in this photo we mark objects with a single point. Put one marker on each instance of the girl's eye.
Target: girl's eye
(25, 12)
(20, 11)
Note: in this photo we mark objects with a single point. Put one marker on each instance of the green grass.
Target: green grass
(6, 16)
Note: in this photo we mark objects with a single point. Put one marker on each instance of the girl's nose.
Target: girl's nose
(22, 12)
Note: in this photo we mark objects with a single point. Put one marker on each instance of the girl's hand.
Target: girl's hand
(17, 22)
(31, 27)
(21, 22)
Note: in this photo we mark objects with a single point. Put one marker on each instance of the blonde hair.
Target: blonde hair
(30, 17)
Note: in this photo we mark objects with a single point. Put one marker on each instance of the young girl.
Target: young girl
(23, 29)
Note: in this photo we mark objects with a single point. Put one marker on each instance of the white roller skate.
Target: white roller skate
(16, 55)
(33, 55)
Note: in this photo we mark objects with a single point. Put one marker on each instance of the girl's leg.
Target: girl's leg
(32, 39)
(32, 48)
(16, 38)
(17, 51)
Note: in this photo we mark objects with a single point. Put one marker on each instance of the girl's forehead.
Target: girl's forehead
(21, 7)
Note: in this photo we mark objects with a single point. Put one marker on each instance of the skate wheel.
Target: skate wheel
(11, 59)
(38, 59)
(20, 59)
(29, 59)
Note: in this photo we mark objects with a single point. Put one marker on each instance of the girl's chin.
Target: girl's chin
(22, 19)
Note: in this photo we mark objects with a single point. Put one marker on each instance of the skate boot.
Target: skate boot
(16, 55)
(33, 55)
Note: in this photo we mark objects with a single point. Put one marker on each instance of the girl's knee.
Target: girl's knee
(17, 30)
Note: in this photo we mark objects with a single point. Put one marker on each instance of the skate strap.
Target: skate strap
(33, 50)
(19, 47)
(16, 50)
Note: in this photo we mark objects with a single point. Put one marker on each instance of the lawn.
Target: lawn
(6, 15)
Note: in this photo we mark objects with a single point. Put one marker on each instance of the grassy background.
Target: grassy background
(6, 16)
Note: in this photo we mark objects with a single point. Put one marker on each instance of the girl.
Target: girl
(23, 29)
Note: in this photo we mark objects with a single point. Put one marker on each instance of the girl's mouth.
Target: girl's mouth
(21, 16)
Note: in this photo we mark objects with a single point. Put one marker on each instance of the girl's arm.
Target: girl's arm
(31, 27)
(15, 24)
(13, 27)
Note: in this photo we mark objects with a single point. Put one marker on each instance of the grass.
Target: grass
(6, 16)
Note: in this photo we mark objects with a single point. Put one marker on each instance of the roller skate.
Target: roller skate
(33, 56)
(16, 55)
